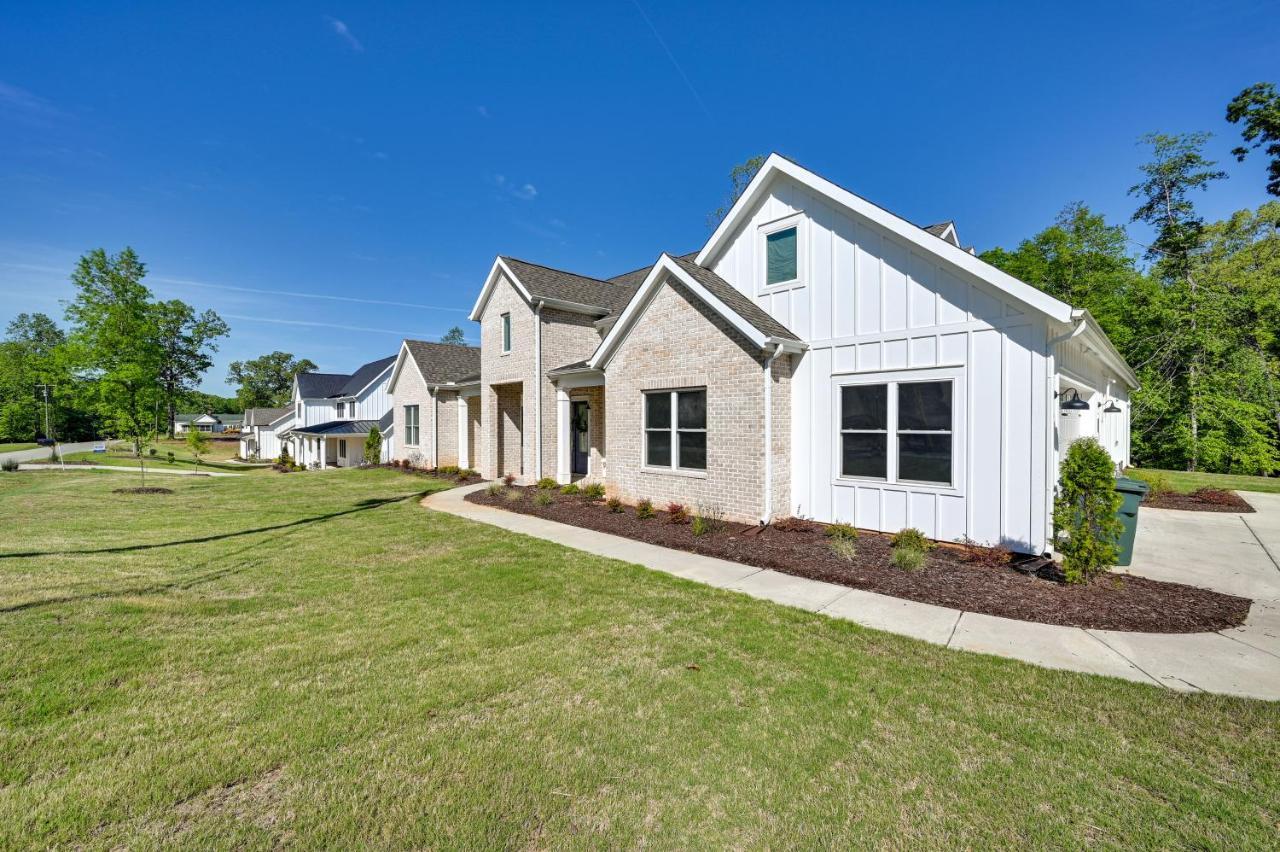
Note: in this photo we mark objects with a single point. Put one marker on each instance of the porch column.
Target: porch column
(563, 466)
(324, 446)
(464, 445)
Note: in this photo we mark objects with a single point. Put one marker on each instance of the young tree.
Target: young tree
(197, 443)
(373, 446)
(455, 336)
(114, 341)
(187, 342)
(1178, 167)
(739, 178)
(267, 381)
(1259, 108)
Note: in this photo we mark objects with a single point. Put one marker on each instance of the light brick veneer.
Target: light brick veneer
(678, 342)
(437, 419)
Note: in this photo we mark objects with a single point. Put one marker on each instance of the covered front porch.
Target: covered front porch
(580, 424)
(339, 443)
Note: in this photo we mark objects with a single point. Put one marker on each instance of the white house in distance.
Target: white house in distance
(212, 423)
(332, 413)
(819, 356)
(259, 437)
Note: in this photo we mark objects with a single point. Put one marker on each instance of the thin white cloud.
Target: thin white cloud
(16, 100)
(310, 324)
(344, 32)
(524, 192)
(483, 111)
(679, 69)
(301, 295)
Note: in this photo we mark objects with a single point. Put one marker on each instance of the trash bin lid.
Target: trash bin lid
(1130, 485)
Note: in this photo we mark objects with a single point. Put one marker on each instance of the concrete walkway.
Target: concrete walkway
(121, 469)
(1244, 661)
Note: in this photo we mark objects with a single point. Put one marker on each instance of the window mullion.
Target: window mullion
(891, 430)
(674, 432)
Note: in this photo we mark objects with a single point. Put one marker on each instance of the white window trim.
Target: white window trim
(506, 332)
(673, 468)
(416, 427)
(794, 220)
(959, 421)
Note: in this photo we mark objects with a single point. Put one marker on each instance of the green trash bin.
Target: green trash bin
(1132, 490)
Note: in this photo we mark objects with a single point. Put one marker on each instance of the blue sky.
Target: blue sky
(365, 162)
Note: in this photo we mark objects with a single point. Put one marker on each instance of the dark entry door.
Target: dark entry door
(579, 423)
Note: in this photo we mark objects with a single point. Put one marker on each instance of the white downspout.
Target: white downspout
(1051, 420)
(435, 426)
(766, 514)
(537, 390)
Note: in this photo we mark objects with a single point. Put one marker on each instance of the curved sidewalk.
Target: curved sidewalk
(1244, 661)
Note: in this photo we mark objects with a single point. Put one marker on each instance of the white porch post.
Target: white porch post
(563, 465)
(464, 445)
(324, 446)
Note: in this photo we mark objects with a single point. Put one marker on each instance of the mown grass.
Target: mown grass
(217, 458)
(10, 448)
(317, 660)
(1186, 482)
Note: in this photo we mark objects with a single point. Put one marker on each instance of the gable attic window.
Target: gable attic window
(782, 252)
(342, 409)
(506, 333)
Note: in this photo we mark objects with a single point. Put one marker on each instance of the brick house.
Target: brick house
(436, 389)
(819, 356)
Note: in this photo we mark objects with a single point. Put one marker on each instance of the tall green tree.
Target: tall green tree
(1258, 107)
(739, 178)
(1178, 167)
(267, 381)
(455, 336)
(30, 365)
(114, 342)
(187, 342)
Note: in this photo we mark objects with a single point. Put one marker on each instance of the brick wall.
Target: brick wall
(678, 342)
(498, 369)
(566, 338)
(409, 389)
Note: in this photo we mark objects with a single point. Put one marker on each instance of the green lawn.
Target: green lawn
(316, 660)
(217, 458)
(9, 448)
(1181, 480)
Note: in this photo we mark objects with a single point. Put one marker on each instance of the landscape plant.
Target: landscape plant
(908, 558)
(9, 465)
(197, 444)
(570, 489)
(844, 548)
(1084, 511)
(373, 446)
(677, 513)
(911, 538)
(644, 509)
(593, 491)
(614, 505)
(547, 483)
(543, 497)
(843, 531)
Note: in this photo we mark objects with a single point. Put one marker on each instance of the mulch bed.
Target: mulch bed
(455, 478)
(972, 579)
(139, 490)
(1200, 500)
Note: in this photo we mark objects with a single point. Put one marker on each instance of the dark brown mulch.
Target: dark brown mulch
(456, 479)
(138, 490)
(953, 576)
(1200, 500)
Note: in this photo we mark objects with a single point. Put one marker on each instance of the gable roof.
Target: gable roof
(944, 231)
(722, 297)
(320, 385)
(263, 416)
(560, 288)
(365, 376)
(957, 257)
(438, 363)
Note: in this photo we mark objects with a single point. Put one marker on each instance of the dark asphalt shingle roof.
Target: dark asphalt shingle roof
(385, 421)
(263, 416)
(941, 228)
(321, 385)
(441, 363)
(735, 300)
(364, 375)
(339, 427)
(569, 286)
(569, 368)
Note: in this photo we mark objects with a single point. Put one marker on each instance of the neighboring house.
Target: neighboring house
(207, 423)
(436, 390)
(259, 438)
(331, 415)
(819, 356)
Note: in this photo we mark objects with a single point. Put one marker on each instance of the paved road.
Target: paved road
(122, 469)
(42, 453)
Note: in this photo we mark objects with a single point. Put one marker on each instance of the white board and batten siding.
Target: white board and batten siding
(873, 308)
(1083, 371)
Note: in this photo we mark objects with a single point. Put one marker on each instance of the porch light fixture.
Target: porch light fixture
(1075, 403)
(1111, 408)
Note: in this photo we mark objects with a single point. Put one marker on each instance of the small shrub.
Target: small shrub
(712, 517)
(462, 478)
(677, 513)
(509, 480)
(644, 510)
(987, 557)
(793, 524)
(152, 452)
(842, 532)
(547, 483)
(699, 526)
(9, 465)
(466, 472)
(543, 498)
(1084, 511)
(911, 539)
(844, 548)
(495, 489)
(448, 470)
(512, 495)
(594, 491)
(908, 558)
(171, 457)
(614, 505)
(1157, 482)
(570, 489)
(414, 460)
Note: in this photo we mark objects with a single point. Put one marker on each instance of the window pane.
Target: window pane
(693, 450)
(924, 405)
(780, 248)
(657, 410)
(691, 409)
(657, 448)
(924, 458)
(864, 407)
(863, 454)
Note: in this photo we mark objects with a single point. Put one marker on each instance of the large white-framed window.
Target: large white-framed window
(900, 428)
(342, 410)
(782, 252)
(506, 333)
(675, 429)
(411, 425)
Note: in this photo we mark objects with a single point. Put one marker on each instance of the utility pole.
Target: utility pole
(44, 389)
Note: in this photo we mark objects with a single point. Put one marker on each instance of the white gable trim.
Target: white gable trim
(499, 268)
(643, 296)
(401, 356)
(899, 227)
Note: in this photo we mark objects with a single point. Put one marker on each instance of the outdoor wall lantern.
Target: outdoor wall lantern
(1111, 408)
(1075, 403)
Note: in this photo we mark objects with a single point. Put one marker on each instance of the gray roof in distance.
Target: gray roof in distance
(364, 375)
(263, 416)
(442, 363)
(730, 296)
(339, 427)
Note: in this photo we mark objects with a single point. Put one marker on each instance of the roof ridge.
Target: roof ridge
(554, 269)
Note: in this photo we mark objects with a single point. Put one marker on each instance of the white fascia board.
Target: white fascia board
(573, 307)
(635, 307)
(918, 237)
(1106, 349)
(498, 268)
(398, 365)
